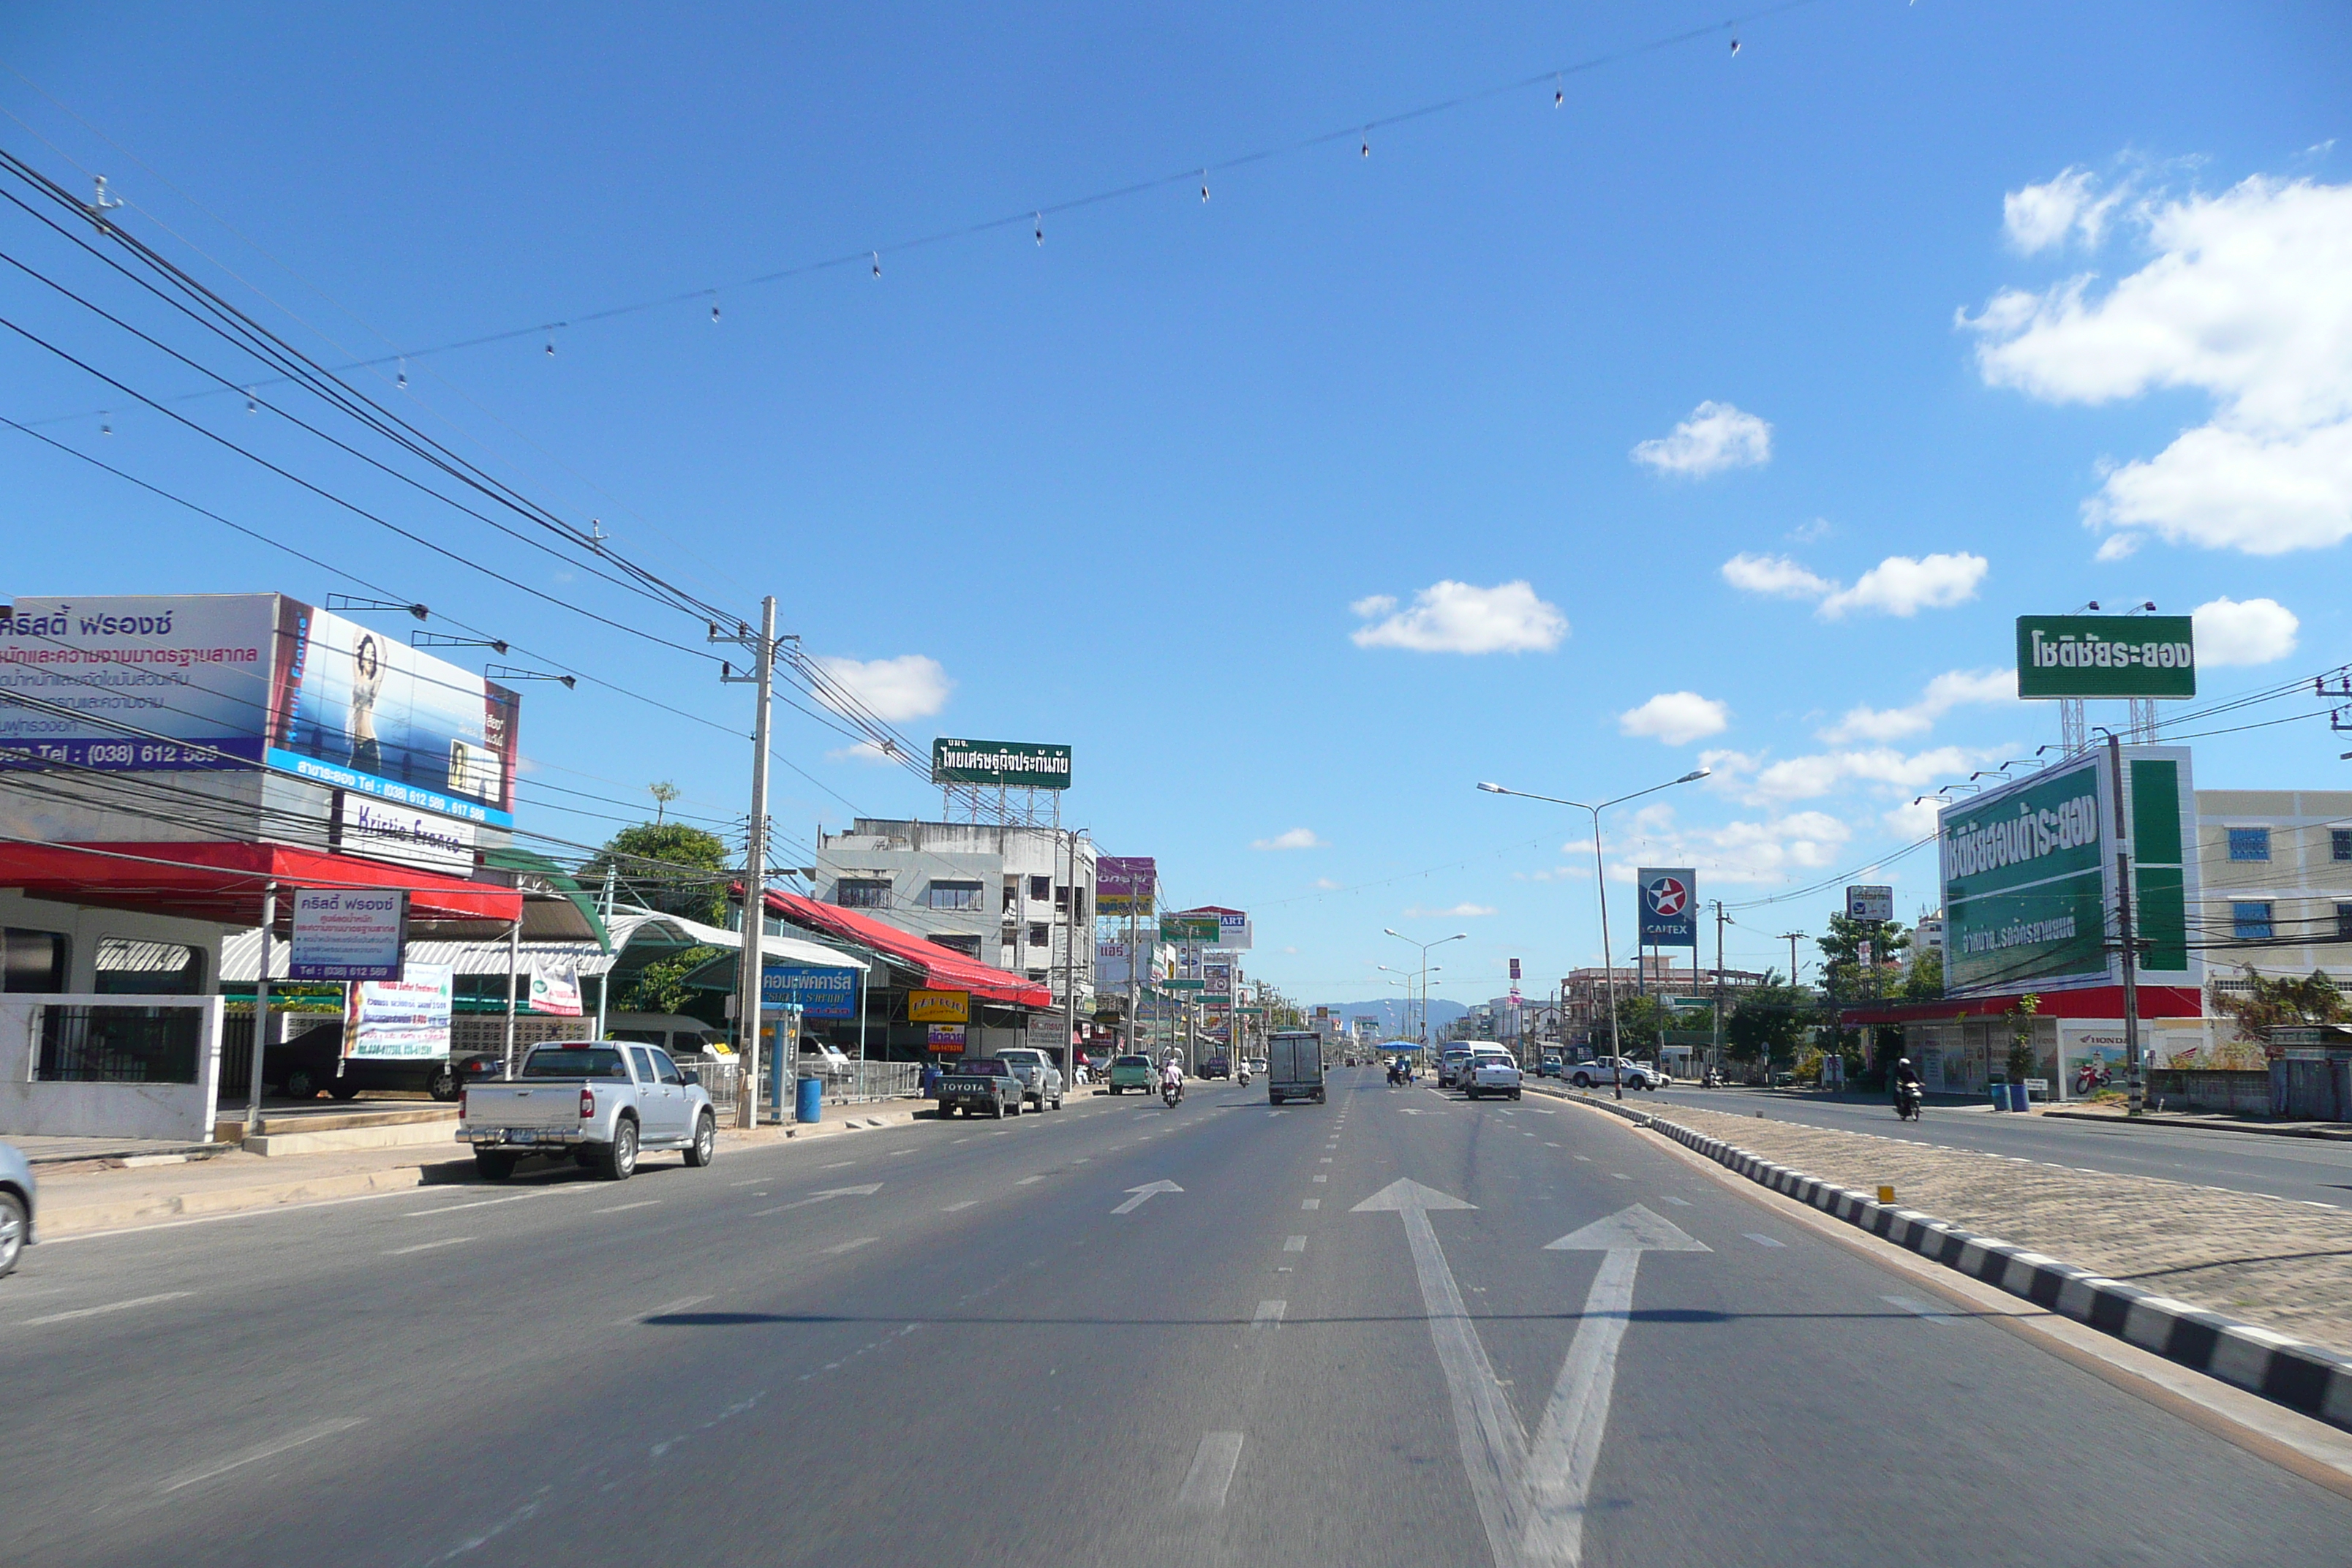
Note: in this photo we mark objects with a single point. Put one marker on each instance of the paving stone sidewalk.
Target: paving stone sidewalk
(2282, 1263)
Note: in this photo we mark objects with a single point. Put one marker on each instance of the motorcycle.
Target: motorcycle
(1906, 1101)
(1396, 1075)
(1173, 1093)
(1713, 1079)
(1245, 1076)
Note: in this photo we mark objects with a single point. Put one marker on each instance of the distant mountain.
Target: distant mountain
(1391, 1012)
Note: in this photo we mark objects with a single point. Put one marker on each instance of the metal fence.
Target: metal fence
(873, 1081)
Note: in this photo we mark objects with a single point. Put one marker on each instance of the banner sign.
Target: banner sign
(344, 934)
(366, 826)
(1193, 930)
(555, 989)
(1124, 884)
(402, 1020)
(2105, 655)
(945, 1038)
(818, 992)
(1014, 764)
(1869, 904)
(1183, 985)
(939, 1006)
(169, 682)
(1669, 906)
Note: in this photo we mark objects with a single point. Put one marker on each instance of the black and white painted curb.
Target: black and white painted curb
(2305, 1377)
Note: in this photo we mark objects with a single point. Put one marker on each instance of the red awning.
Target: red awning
(223, 882)
(941, 968)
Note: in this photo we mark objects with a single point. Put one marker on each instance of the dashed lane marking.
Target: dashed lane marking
(1213, 1463)
(1294, 1244)
(836, 1250)
(1760, 1240)
(1312, 1203)
(110, 1306)
(624, 1209)
(271, 1449)
(429, 1245)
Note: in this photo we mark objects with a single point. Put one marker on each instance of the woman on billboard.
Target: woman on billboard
(367, 684)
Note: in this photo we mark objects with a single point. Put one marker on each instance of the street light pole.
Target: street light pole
(1422, 1039)
(1601, 889)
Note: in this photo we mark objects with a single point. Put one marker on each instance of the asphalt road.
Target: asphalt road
(2308, 1170)
(941, 1344)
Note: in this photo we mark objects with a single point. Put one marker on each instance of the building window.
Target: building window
(118, 1044)
(127, 968)
(32, 961)
(862, 893)
(2344, 923)
(2251, 922)
(1012, 892)
(1038, 975)
(967, 945)
(1079, 912)
(955, 895)
(2249, 844)
(1062, 901)
(1041, 887)
(2339, 843)
(1039, 936)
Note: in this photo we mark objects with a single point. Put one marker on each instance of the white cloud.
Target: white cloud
(1455, 617)
(1297, 839)
(1740, 852)
(2250, 631)
(1948, 690)
(1802, 778)
(1458, 912)
(1715, 437)
(1809, 533)
(1898, 585)
(2040, 216)
(907, 687)
(1677, 718)
(1776, 575)
(1902, 586)
(1569, 873)
(863, 751)
(1913, 820)
(2244, 298)
(1327, 885)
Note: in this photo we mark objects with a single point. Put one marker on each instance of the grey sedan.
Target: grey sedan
(17, 1189)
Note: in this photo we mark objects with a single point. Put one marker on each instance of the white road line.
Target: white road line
(624, 1209)
(850, 1246)
(429, 1245)
(1586, 1158)
(1294, 1244)
(953, 1208)
(1268, 1314)
(477, 1203)
(1551, 1145)
(1760, 1240)
(752, 1182)
(1026, 1180)
(684, 1303)
(1312, 1203)
(110, 1306)
(839, 1165)
(1325, 1160)
(271, 1449)
(1213, 1463)
(1922, 1309)
(1322, 1178)
(1678, 1203)
(1619, 1176)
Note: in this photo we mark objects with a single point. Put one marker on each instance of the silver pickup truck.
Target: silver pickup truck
(1041, 1081)
(601, 1101)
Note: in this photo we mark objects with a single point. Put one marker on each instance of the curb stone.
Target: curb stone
(2308, 1378)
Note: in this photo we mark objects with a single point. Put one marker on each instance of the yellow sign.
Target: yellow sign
(939, 1006)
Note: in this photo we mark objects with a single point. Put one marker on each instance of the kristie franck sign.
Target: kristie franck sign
(347, 935)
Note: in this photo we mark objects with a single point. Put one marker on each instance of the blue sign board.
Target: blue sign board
(818, 993)
(1669, 906)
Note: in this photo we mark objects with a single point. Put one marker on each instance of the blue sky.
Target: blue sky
(1751, 395)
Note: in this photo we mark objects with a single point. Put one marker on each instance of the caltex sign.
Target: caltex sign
(1669, 906)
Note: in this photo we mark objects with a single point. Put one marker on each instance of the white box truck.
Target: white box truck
(1294, 1066)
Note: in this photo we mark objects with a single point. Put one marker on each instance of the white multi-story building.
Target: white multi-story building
(2275, 882)
(1020, 899)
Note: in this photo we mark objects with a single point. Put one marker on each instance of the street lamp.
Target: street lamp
(1421, 1036)
(1600, 889)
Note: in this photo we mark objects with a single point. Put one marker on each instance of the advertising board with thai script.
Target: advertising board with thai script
(348, 934)
(819, 992)
(402, 1020)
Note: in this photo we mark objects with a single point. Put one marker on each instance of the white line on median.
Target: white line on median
(1760, 1240)
(270, 1449)
(110, 1306)
(429, 1245)
(684, 1303)
(1213, 1463)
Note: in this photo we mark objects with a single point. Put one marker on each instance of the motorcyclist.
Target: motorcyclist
(1171, 1075)
(1904, 1077)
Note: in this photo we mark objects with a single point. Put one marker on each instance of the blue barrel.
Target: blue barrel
(2017, 1098)
(809, 1103)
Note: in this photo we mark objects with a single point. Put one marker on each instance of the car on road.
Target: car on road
(602, 1102)
(1449, 1066)
(18, 1191)
(1614, 1071)
(1041, 1081)
(981, 1085)
(1133, 1072)
(1217, 1067)
(1491, 1072)
(1550, 1066)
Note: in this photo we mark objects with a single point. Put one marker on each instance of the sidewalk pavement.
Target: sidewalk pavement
(2205, 1120)
(113, 1194)
(2286, 1264)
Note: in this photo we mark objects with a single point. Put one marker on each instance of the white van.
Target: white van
(686, 1039)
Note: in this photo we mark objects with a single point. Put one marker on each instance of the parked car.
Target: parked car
(1134, 1073)
(1611, 1069)
(1041, 1081)
(1550, 1066)
(1490, 1073)
(1217, 1067)
(683, 1037)
(18, 1191)
(304, 1065)
(602, 1102)
(981, 1085)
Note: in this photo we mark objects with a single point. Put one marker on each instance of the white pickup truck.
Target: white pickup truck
(1490, 1072)
(601, 1101)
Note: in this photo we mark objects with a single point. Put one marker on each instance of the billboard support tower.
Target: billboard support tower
(2133, 1076)
(755, 861)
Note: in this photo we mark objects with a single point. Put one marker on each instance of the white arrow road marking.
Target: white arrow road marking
(1212, 1471)
(1144, 1195)
(867, 1191)
(1531, 1496)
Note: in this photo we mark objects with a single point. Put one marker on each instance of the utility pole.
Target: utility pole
(747, 965)
(1720, 917)
(2137, 1079)
(261, 1010)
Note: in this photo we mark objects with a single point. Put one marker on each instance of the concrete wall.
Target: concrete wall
(2239, 1093)
(180, 1112)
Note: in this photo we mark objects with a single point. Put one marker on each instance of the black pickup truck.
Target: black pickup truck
(981, 1085)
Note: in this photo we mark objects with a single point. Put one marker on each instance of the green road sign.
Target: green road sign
(1183, 985)
(2105, 655)
(1189, 929)
(1016, 764)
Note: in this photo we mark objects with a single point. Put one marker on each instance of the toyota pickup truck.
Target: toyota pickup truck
(1134, 1073)
(603, 1102)
(1490, 1072)
(981, 1085)
(1041, 1081)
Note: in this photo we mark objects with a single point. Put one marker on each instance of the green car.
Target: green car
(1133, 1072)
